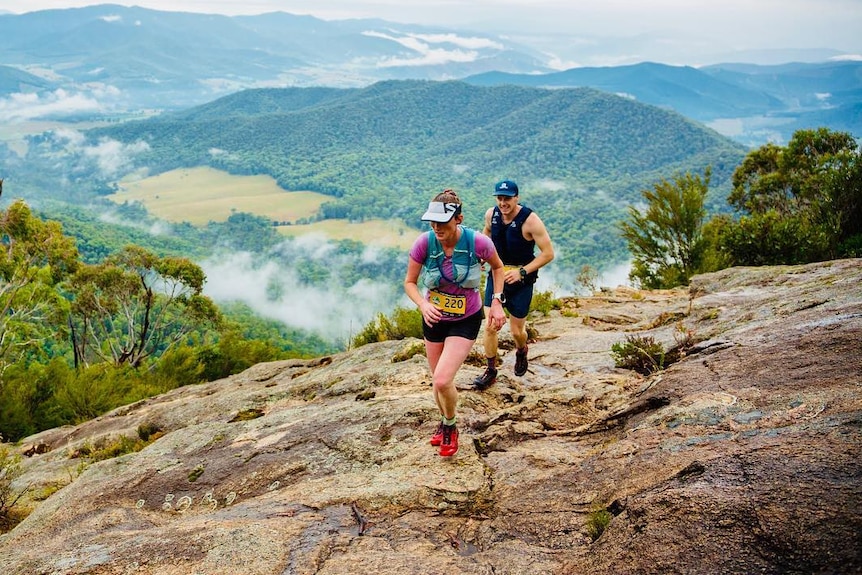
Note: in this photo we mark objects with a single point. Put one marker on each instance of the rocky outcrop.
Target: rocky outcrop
(741, 457)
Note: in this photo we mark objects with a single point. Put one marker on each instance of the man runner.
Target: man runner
(516, 231)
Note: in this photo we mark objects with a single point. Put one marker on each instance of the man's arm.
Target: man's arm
(487, 229)
(534, 229)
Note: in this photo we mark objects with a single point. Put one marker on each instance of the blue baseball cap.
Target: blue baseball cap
(506, 188)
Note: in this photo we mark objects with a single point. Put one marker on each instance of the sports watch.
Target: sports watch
(523, 273)
(500, 296)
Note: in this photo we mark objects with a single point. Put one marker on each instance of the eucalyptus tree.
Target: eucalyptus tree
(797, 203)
(136, 305)
(666, 240)
(35, 256)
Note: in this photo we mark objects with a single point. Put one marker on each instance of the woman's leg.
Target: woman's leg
(433, 350)
(446, 364)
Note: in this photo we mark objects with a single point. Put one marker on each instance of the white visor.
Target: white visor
(441, 212)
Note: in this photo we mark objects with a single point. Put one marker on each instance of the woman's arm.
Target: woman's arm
(430, 314)
(497, 317)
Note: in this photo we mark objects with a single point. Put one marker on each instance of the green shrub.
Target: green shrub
(119, 446)
(195, 473)
(149, 432)
(10, 470)
(91, 392)
(27, 400)
(640, 353)
(400, 324)
(178, 367)
(597, 522)
(408, 351)
(247, 415)
(851, 247)
(544, 301)
(588, 278)
(232, 354)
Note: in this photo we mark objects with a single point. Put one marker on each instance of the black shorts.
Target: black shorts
(467, 327)
(519, 296)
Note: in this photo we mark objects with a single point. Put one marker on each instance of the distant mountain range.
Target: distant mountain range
(111, 59)
(779, 99)
(176, 59)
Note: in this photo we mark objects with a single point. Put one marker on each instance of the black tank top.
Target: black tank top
(509, 239)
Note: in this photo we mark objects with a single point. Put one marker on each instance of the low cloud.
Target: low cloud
(434, 49)
(273, 290)
(22, 107)
(111, 158)
(469, 42)
(557, 63)
(551, 185)
(154, 228)
(114, 158)
(565, 282)
(616, 276)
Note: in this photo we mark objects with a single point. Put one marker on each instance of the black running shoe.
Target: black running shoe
(521, 361)
(485, 380)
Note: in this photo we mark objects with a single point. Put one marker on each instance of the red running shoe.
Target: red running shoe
(449, 446)
(437, 438)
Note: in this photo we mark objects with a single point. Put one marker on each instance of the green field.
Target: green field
(200, 195)
(375, 232)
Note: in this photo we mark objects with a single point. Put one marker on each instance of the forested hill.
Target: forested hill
(580, 155)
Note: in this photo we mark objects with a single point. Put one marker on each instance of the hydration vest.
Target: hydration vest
(466, 269)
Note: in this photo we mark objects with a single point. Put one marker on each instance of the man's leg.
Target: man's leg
(518, 326)
(520, 308)
(490, 338)
(519, 334)
(489, 341)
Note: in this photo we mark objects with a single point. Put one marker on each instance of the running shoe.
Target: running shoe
(437, 438)
(521, 361)
(449, 446)
(485, 380)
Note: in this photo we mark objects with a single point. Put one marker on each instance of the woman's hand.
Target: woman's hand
(430, 314)
(497, 316)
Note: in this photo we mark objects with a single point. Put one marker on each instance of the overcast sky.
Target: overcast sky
(736, 24)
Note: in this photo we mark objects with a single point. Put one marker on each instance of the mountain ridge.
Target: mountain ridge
(240, 51)
(174, 60)
(796, 91)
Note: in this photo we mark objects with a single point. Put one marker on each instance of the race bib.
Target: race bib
(450, 304)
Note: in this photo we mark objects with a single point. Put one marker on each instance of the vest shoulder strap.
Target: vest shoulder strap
(435, 249)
